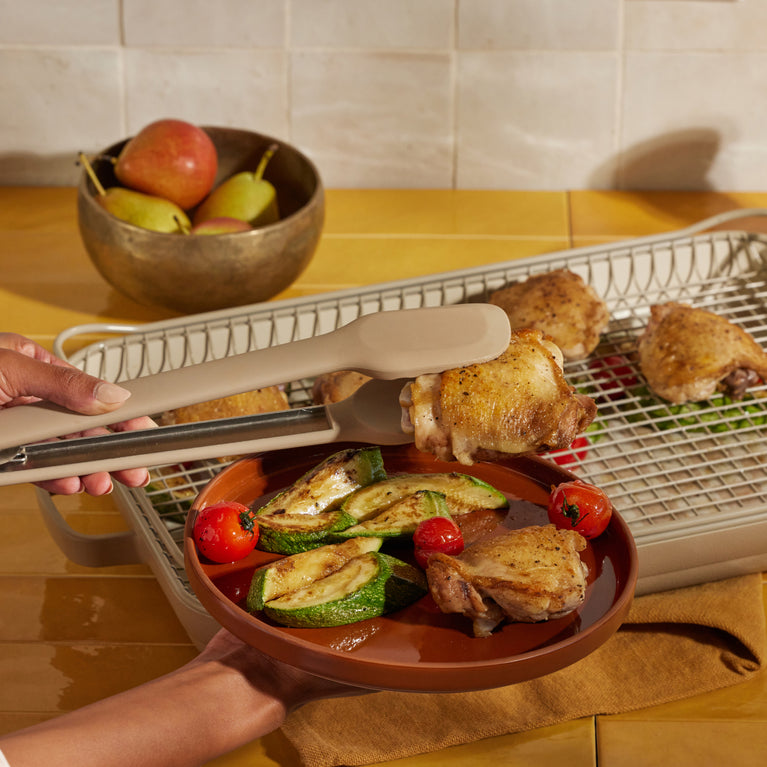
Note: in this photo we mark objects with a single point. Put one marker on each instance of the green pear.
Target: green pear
(246, 195)
(221, 225)
(144, 210)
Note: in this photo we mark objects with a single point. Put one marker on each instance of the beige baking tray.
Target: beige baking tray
(691, 485)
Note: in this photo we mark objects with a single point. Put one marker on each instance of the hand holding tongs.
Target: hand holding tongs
(392, 346)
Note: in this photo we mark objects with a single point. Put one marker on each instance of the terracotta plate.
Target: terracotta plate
(418, 648)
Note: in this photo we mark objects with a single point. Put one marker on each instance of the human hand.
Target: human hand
(29, 373)
(288, 686)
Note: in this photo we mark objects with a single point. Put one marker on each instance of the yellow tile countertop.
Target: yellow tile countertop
(71, 634)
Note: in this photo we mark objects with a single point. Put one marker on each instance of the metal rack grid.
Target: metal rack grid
(690, 481)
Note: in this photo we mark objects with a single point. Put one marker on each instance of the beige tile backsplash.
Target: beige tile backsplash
(472, 94)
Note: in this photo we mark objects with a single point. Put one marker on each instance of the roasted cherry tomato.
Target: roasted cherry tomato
(436, 534)
(576, 452)
(614, 374)
(225, 531)
(576, 505)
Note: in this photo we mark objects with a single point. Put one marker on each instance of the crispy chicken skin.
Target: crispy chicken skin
(518, 403)
(333, 387)
(527, 575)
(560, 304)
(687, 354)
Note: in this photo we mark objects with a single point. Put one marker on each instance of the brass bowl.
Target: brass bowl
(200, 273)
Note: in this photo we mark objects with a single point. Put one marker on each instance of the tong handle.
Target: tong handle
(372, 415)
(385, 345)
(176, 388)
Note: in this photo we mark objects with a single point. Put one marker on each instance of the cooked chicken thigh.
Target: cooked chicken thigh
(687, 354)
(518, 403)
(527, 575)
(560, 304)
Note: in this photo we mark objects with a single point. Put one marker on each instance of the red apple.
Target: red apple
(171, 159)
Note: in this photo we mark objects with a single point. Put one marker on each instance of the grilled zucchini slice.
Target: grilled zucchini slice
(462, 492)
(292, 573)
(355, 592)
(351, 594)
(400, 519)
(324, 487)
(292, 533)
(406, 585)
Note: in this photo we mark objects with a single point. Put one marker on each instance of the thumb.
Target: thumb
(24, 377)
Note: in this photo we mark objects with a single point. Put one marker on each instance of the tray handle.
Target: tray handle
(717, 220)
(96, 328)
(104, 550)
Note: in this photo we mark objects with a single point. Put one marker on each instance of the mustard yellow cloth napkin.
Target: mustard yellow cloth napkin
(673, 645)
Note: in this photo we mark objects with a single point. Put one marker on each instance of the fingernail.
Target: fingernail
(111, 394)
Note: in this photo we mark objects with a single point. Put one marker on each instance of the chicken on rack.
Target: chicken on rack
(559, 303)
(688, 354)
(518, 403)
(267, 400)
(526, 575)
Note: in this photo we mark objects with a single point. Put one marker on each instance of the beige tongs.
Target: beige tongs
(390, 346)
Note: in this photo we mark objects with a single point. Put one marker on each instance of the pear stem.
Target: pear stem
(183, 228)
(264, 160)
(92, 173)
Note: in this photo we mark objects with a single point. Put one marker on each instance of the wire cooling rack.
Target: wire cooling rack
(690, 480)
